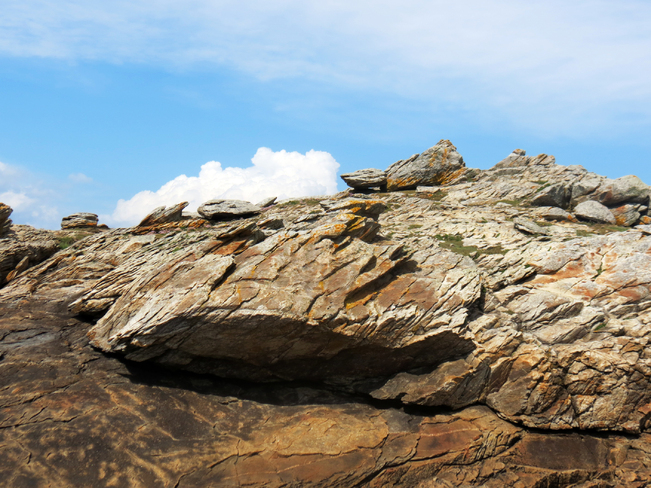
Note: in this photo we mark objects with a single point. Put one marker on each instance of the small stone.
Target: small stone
(266, 202)
(594, 212)
(516, 158)
(80, 220)
(163, 215)
(227, 209)
(365, 178)
(555, 214)
(529, 227)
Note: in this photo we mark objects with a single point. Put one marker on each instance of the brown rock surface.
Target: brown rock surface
(456, 339)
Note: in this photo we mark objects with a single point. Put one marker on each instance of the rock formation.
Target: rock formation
(227, 209)
(457, 335)
(81, 220)
(366, 178)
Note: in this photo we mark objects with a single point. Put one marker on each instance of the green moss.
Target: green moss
(415, 226)
(454, 243)
(600, 326)
(436, 196)
(515, 203)
(66, 242)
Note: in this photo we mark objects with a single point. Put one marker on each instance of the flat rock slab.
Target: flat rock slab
(365, 178)
(225, 209)
(164, 215)
(79, 221)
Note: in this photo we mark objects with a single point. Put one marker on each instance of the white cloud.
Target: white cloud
(587, 59)
(17, 201)
(80, 178)
(281, 174)
(34, 200)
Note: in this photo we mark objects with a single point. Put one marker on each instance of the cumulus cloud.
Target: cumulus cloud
(281, 174)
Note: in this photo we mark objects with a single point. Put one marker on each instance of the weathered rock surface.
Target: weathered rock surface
(449, 337)
(438, 165)
(5, 221)
(593, 211)
(227, 209)
(164, 215)
(365, 178)
(266, 202)
(80, 220)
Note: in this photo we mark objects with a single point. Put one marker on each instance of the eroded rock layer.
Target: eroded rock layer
(457, 335)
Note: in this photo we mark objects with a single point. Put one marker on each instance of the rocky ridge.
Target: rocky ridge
(483, 332)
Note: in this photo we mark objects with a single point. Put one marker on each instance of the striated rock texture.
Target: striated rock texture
(366, 178)
(227, 209)
(5, 221)
(438, 165)
(79, 221)
(458, 335)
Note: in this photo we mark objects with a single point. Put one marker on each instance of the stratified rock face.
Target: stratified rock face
(79, 221)
(22, 248)
(5, 222)
(365, 178)
(594, 212)
(227, 209)
(164, 215)
(557, 195)
(436, 166)
(425, 334)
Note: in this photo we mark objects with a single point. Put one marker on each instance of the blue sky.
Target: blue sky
(104, 106)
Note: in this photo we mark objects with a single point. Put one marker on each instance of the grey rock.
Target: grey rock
(164, 215)
(554, 214)
(628, 189)
(365, 178)
(266, 202)
(583, 187)
(357, 206)
(80, 220)
(227, 209)
(185, 215)
(626, 215)
(529, 227)
(437, 166)
(516, 158)
(557, 195)
(593, 211)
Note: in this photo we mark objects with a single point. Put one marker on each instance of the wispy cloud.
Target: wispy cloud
(80, 178)
(281, 174)
(33, 200)
(553, 64)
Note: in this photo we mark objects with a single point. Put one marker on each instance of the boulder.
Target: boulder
(584, 187)
(593, 211)
(5, 221)
(627, 189)
(81, 220)
(365, 178)
(557, 195)
(438, 165)
(227, 209)
(164, 215)
(626, 215)
(266, 202)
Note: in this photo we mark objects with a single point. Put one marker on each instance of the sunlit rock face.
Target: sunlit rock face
(476, 329)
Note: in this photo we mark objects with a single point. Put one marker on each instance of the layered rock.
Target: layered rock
(227, 209)
(438, 165)
(5, 221)
(366, 178)
(164, 215)
(434, 338)
(81, 220)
